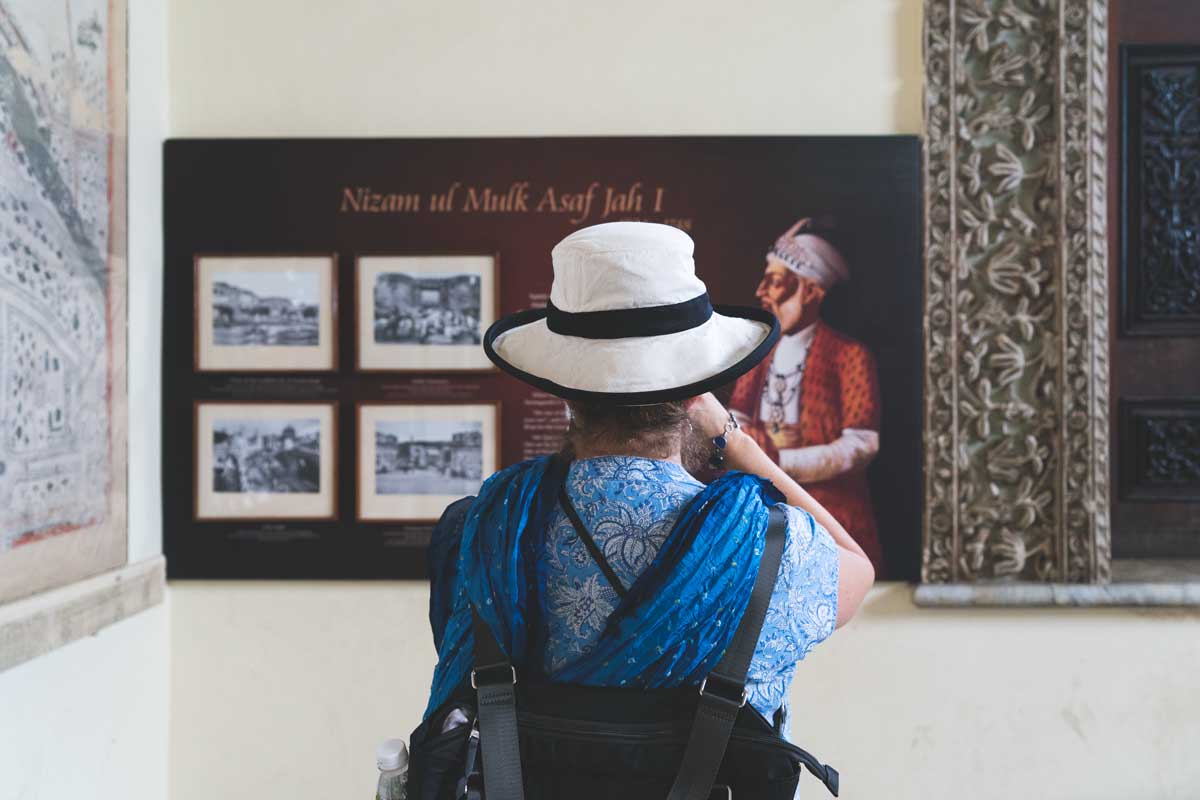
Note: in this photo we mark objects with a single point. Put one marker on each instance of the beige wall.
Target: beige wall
(450, 67)
(283, 689)
(89, 720)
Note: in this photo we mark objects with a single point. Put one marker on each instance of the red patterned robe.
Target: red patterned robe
(840, 390)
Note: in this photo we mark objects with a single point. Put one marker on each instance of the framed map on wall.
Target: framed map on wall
(62, 292)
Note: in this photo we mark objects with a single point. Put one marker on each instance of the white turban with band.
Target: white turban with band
(809, 256)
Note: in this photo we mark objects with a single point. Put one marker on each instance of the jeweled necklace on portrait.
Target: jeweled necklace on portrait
(783, 388)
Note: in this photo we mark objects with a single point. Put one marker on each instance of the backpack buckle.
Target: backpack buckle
(491, 667)
(740, 702)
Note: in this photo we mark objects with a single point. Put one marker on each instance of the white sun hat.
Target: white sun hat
(629, 322)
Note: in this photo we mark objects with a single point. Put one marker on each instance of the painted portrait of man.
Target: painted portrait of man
(814, 404)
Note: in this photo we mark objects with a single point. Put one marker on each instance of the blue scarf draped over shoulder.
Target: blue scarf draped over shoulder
(670, 629)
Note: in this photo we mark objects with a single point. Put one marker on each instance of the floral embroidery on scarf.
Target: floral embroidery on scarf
(628, 505)
(582, 606)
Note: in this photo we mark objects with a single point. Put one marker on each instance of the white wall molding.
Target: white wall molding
(1179, 594)
(46, 621)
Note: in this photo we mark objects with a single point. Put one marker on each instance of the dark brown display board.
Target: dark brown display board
(512, 200)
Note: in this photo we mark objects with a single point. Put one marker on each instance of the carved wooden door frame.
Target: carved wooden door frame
(1016, 292)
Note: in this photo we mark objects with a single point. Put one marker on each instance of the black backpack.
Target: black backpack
(551, 741)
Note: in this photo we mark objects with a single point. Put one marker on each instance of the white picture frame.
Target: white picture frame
(414, 459)
(263, 461)
(266, 313)
(424, 313)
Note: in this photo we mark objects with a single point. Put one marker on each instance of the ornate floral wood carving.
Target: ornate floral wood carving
(1172, 449)
(1161, 205)
(1161, 460)
(1016, 413)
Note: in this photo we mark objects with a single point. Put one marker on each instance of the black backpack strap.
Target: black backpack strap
(593, 549)
(723, 692)
(717, 710)
(735, 663)
(494, 679)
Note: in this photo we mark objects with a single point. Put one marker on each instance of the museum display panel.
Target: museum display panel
(427, 241)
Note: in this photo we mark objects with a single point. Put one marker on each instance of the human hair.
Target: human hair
(653, 431)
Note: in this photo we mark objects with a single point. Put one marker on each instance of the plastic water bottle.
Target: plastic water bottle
(392, 758)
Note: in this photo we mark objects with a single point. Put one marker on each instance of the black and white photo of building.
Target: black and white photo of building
(266, 308)
(428, 457)
(266, 456)
(427, 309)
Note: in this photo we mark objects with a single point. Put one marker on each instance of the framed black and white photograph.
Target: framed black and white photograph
(266, 313)
(424, 312)
(265, 461)
(415, 459)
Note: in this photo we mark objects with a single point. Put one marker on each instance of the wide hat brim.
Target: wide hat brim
(640, 370)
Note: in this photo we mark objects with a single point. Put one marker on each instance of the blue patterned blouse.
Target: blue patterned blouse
(629, 505)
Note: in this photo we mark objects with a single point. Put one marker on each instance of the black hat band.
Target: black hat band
(629, 323)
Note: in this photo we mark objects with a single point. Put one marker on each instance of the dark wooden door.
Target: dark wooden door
(1154, 247)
